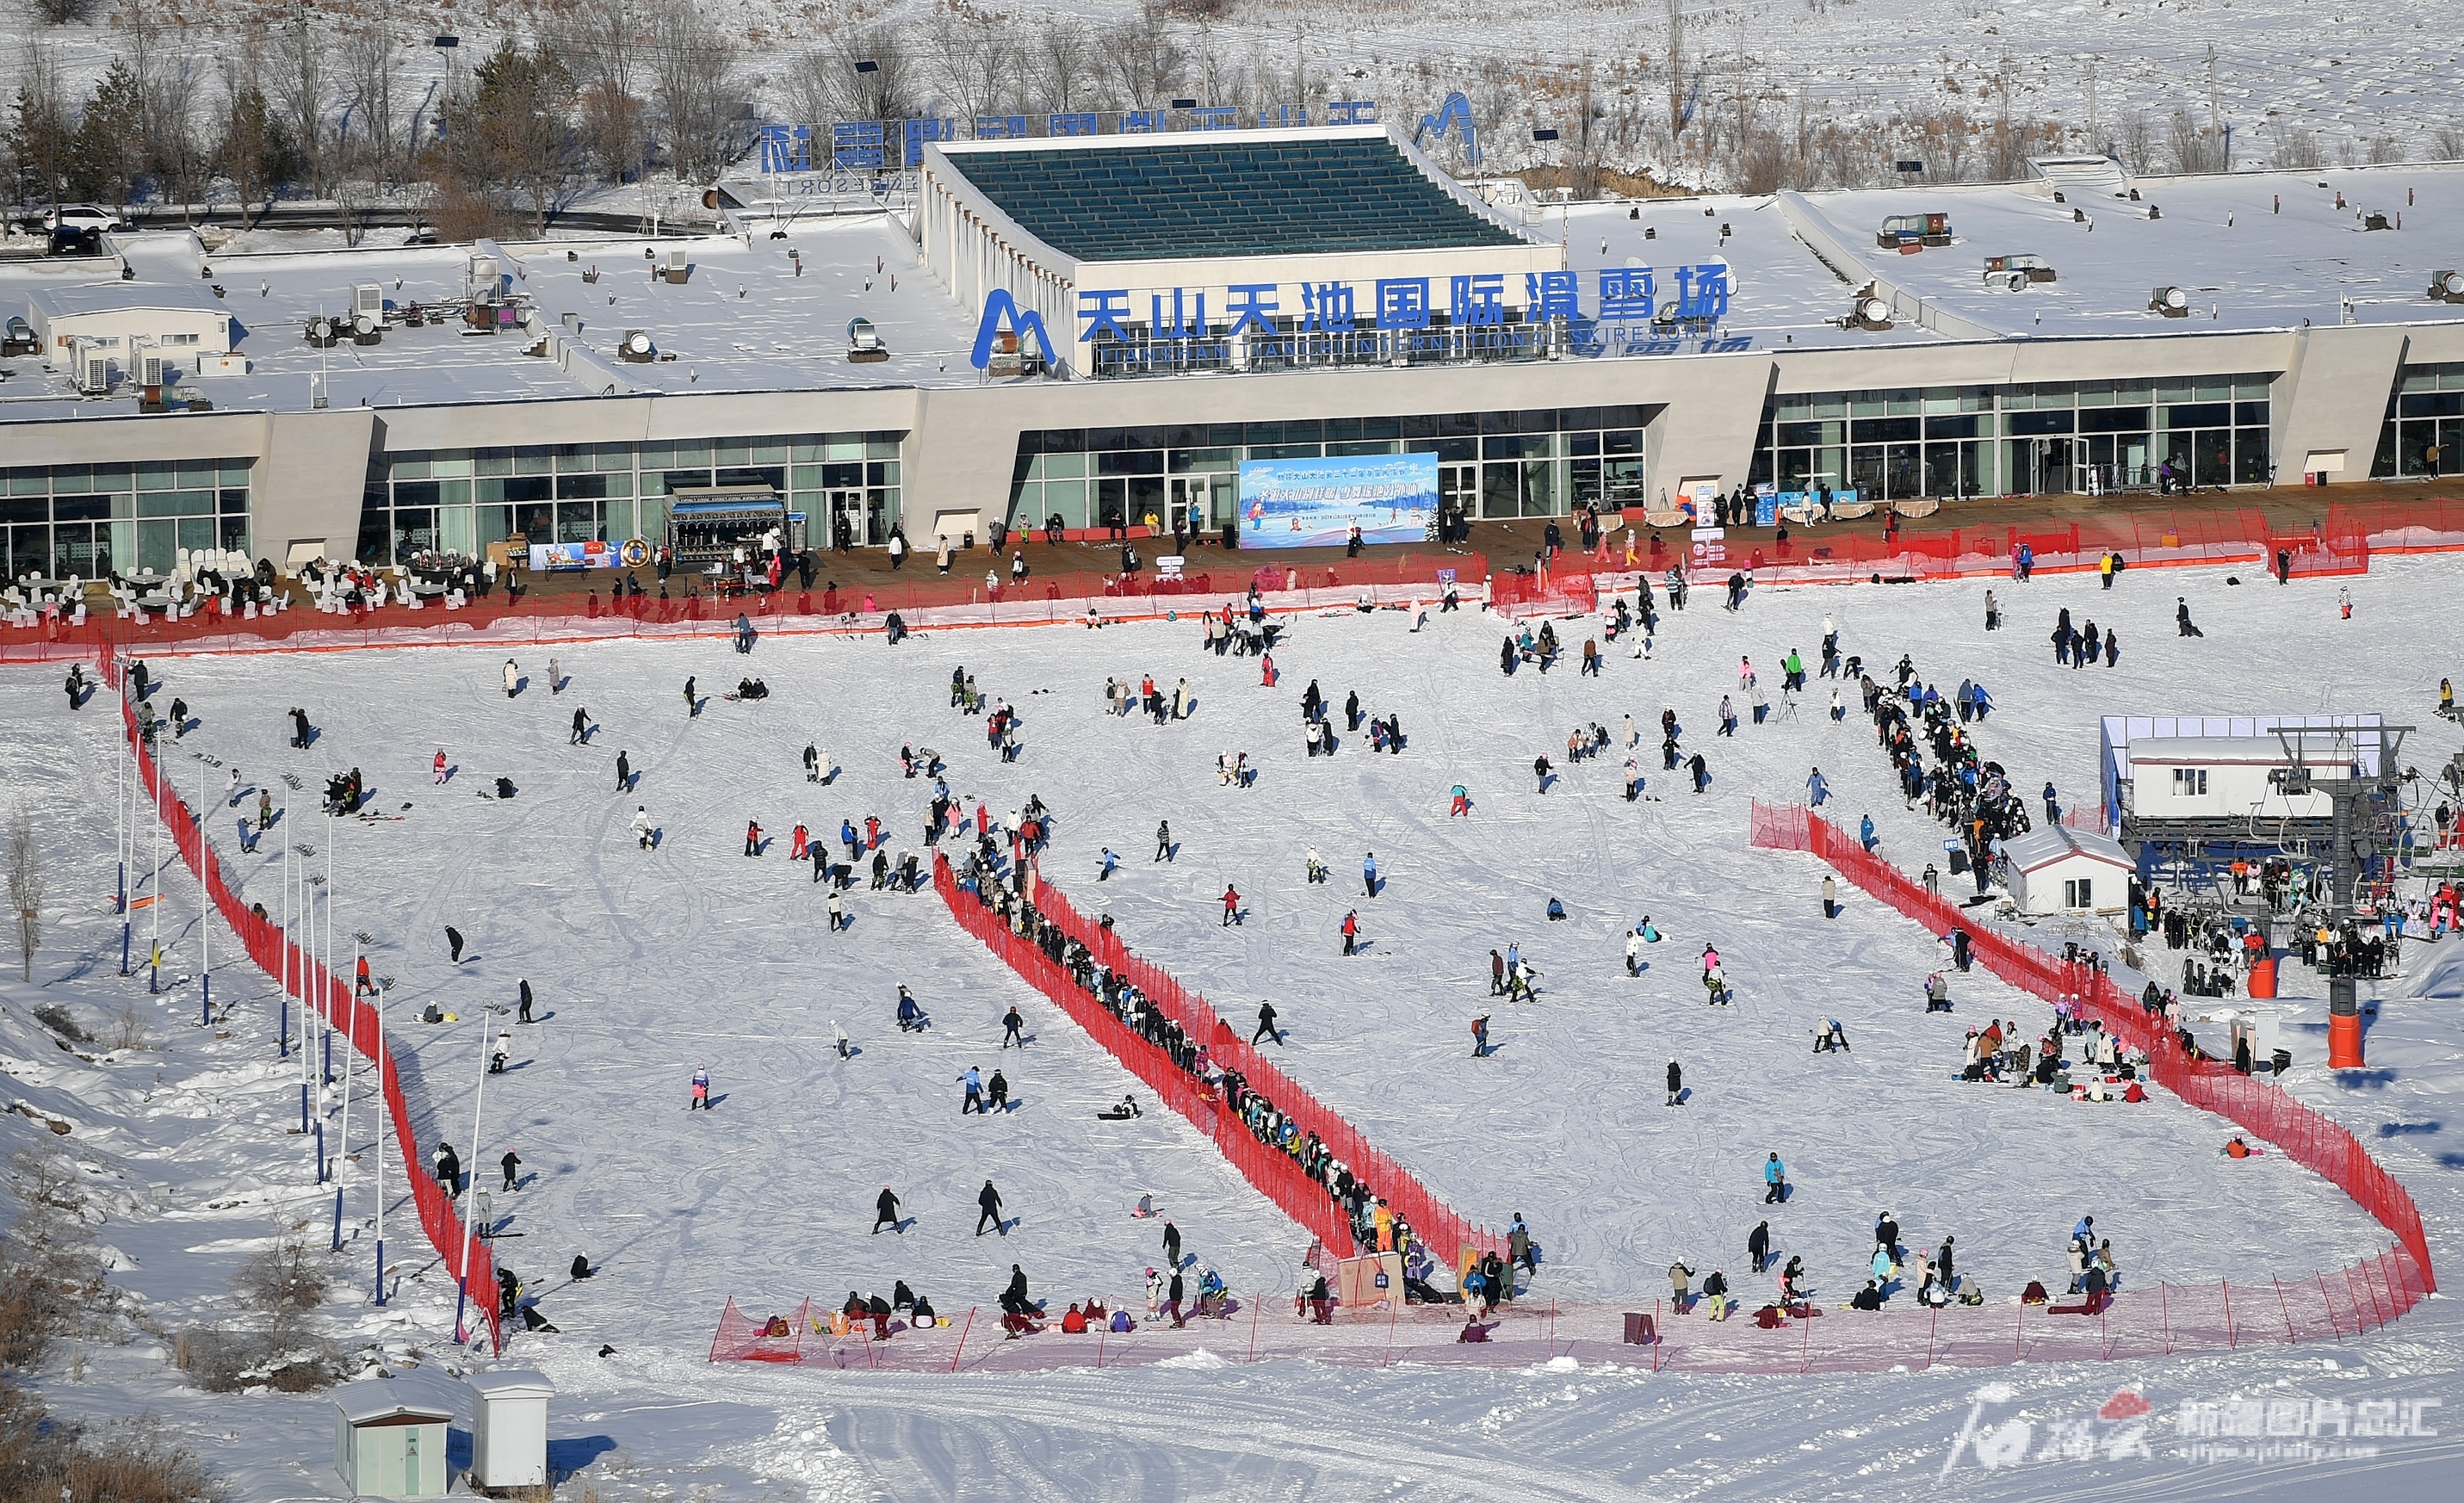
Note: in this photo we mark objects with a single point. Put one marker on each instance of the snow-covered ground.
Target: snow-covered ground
(646, 964)
(2279, 73)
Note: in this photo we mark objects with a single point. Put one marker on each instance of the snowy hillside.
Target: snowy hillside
(646, 964)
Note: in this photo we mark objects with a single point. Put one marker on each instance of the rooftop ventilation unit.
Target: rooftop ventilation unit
(368, 328)
(1871, 312)
(367, 298)
(2446, 287)
(2015, 271)
(323, 331)
(864, 343)
(637, 347)
(2173, 302)
(482, 271)
(678, 270)
(1906, 233)
(148, 360)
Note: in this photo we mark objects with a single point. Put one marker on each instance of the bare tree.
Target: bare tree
(603, 44)
(2193, 147)
(2447, 142)
(24, 861)
(969, 61)
(1143, 57)
(42, 139)
(697, 87)
(366, 56)
(1059, 64)
(2383, 150)
(2134, 138)
(2298, 151)
(301, 86)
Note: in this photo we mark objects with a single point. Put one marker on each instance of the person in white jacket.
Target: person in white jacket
(513, 678)
(642, 824)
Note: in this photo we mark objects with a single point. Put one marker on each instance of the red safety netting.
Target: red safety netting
(2413, 525)
(927, 599)
(273, 952)
(1276, 1174)
(779, 1338)
(2307, 1137)
(2160, 1321)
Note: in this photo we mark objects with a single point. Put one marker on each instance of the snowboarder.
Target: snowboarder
(500, 1054)
(2182, 618)
(990, 1201)
(454, 943)
(1774, 1185)
(693, 701)
(700, 1089)
(642, 832)
(1267, 1028)
(886, 1213)
(910, 1015)
(513, 679)
(997, 1094)
(839, 1036)
(1676, 1083)
(581, 727)
(1758, 1245)
(511, 1165)
(813, 764)
(1634, 952)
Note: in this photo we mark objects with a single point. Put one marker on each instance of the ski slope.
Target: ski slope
(649, 964)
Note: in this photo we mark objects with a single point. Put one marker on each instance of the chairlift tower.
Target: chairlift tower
(2356, 767)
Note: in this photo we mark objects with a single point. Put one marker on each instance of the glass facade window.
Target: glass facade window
(91, 520)
(2423, 431)
(1543, 461)
(460, 501)
(2024, 439)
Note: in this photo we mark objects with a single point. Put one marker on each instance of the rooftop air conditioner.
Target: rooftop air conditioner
(678, 270)
(367, 298)
(366, 328)
(483, 269)
(2172, 302)
(637, 347)
(150, 362)
(1907, 231)
(2446, 287)
(91, 365)
(323, 331)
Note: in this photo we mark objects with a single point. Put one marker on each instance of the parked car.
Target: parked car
(78, 218)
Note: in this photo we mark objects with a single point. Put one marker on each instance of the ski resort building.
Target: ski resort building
(2056, 869)
(1103, 328)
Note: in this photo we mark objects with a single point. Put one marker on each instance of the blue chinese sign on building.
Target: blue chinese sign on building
(1454, 318)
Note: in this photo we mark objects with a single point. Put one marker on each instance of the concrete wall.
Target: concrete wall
(307, 484)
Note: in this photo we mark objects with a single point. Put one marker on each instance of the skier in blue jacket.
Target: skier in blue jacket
(1369, 873)
(1774, 1181)
(1817, 788)
(1865, 833)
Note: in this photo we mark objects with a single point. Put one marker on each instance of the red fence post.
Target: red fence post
(962, 1339)
(2290, 1339)
(2227, 1287)
(2165, 1317)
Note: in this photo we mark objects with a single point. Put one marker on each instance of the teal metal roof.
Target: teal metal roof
(1223, 196)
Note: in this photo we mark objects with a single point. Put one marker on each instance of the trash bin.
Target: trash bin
(2262, 978)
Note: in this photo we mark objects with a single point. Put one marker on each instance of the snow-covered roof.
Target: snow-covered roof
(375, 1403)
(2209, 751)
(2039, 849)
(116, 296)
(747, 319)
(512, 1383)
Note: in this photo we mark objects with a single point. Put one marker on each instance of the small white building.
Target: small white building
(2194, 777)
(186, 322)
(2058, 870)
(509, 1435)
(389, 1441)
